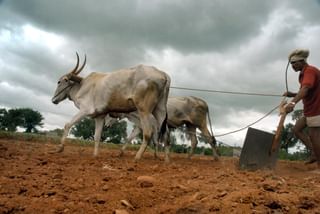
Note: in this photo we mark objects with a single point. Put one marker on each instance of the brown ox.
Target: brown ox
(190, 111)
(143, 89)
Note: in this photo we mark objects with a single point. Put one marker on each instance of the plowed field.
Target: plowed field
(33, 181)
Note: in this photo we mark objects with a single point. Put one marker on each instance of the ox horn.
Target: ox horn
(84, 63)
(75, 69)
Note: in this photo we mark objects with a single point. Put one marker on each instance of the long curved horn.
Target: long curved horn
(84, 63)
(75, 69)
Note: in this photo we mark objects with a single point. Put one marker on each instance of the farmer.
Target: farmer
(309, 93)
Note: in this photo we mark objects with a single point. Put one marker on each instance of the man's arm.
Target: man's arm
(289, 94)
(299, 96)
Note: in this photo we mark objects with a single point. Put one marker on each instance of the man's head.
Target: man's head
(298, 58)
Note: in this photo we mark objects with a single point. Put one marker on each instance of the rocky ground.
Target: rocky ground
(33, 181)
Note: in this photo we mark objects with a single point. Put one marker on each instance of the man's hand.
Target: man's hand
(289, 107)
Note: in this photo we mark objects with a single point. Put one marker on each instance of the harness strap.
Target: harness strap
(62, 91)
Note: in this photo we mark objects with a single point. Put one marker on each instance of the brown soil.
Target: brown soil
(33, 181)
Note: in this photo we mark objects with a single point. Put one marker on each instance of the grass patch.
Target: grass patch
(28, 137)
(41, 138)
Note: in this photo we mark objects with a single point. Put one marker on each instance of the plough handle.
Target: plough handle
(277, 137)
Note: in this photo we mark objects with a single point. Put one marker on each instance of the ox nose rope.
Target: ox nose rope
(62, 90)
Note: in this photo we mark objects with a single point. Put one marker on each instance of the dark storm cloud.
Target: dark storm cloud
(182, 25)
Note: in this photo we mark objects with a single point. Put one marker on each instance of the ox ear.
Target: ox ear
(84, 63)
(75, 78)
(77, 65)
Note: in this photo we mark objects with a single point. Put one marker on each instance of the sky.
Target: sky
(235, 45)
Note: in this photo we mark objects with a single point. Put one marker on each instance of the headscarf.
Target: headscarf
(298, 54)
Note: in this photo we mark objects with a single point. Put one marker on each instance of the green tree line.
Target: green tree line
(31, 120)
(116, 133)
(25, 118)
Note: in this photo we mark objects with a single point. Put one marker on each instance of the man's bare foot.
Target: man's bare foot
(58, 149)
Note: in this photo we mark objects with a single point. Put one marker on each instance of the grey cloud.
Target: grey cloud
(185, 26)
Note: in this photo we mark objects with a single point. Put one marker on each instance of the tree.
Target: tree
(12, 120)
(297, 114)
(31, 119)
(86, 127)
(3, 114)
(287, 138)
(116, 133)
(23, 117)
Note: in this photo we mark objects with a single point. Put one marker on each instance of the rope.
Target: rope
(251, 124)
(227, 92)
(231, 132)
(286, 76)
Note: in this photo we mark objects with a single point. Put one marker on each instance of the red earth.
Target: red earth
(34, 181)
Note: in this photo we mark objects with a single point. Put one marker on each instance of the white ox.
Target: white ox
(143, 89)
(189, 111)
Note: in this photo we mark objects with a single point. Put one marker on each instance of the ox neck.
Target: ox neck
(73, 91)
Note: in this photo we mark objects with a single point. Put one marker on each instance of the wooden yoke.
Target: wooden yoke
(277, 137)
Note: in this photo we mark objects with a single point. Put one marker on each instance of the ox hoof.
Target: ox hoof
(121, 154)
(59, 149)
(156, 157)
(137, 159)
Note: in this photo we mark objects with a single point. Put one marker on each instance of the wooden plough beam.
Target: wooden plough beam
(277, 137)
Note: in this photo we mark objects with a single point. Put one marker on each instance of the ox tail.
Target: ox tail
(163, 128)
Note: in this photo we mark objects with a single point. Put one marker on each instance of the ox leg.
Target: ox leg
(166, 141)
(67, 128)
(109, 121)
(212, 143)
(99, 122)
(148, 125)
(135, 132)
(133, 117)
(155, 143)
(193, 137)
(211, 140)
